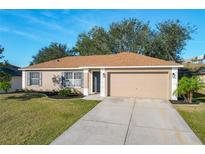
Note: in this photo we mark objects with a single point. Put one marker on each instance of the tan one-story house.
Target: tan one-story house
(123, 75)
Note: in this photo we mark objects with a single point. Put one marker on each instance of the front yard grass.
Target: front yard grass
(194, 115)
(28, 118)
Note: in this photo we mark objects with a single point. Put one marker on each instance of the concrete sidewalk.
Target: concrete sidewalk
(130, 121)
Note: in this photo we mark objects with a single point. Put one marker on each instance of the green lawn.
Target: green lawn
(194, 115)
(37, 119)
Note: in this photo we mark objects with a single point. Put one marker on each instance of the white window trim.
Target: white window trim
(40, 78)
(73, 79)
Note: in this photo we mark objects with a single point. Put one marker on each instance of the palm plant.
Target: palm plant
(187, 86)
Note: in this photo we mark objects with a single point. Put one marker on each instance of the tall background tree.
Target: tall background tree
(1, 55)
(3, 62)
(166, 41)
(5, 78)
(96, 41)
(170, 39)
(53, 51)
(129, 35)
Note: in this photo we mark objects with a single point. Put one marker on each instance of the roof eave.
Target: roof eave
(87, 67)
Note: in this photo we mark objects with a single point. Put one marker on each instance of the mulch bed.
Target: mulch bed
(63, 97)
(183, 102)
(54, 95)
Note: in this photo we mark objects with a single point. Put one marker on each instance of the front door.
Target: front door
(96, 82)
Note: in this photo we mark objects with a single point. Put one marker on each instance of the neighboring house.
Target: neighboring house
(201, 73)
(192, 70)
(124, 74)
(196, 60)
(185, 72)
(16, 76)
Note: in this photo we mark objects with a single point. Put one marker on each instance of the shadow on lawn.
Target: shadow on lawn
(199, 97)
(27, 96)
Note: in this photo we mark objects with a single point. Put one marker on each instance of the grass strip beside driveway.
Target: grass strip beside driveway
(37, 119)
(194, 115)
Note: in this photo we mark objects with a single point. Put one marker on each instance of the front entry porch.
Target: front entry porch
(94, 82)
(94, 97)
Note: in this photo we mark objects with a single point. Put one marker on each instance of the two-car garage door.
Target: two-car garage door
(142, 85)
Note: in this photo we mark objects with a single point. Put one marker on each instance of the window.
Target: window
(77, 79)
(73, 79)
(68, 79)
(34, 78)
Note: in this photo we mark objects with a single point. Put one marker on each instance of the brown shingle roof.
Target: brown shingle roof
(121, 59)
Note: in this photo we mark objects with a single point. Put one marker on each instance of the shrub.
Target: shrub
(5, 86)
(65, 92)
(69, 92)
(187, 86)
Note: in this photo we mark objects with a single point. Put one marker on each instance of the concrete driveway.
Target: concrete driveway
(130, 121)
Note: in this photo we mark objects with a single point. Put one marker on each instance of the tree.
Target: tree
(4, 77)
(166, 41)
(129, 35)
(53, 51)
(96, 41)
(3, 62)
(1, 54)
(170, 39)
(5, 83)
(187, 86)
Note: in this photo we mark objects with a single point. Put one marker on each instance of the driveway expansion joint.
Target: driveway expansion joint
(129, 122)
(105, 122)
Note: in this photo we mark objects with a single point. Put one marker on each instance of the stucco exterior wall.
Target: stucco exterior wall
(48, 84)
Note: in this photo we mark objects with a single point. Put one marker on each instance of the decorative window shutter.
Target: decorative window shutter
(62, 79)
(40, 82)
(82, 80)
(28, 78)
